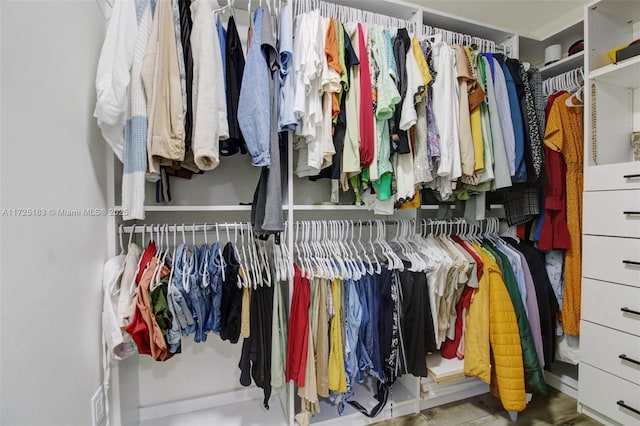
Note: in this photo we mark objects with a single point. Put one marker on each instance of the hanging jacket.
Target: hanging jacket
(533, 372)
(477, 361)
(505, 342)
(547, 302)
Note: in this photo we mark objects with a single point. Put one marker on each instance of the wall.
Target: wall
(52, 157)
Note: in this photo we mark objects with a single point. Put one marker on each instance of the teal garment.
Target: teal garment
(388, 98)
(534, 379)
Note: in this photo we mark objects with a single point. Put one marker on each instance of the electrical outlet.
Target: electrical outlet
(98, 409)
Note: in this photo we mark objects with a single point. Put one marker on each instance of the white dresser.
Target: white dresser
(609, 372)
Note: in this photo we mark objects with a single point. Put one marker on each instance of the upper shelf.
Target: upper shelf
(563, 65)
(622, 11)
(623, 74)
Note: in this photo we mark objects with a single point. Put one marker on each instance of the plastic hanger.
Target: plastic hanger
(345, 251)
(260, 263)
(324, 255)
(369, 265)
(296, 249)
(364, 268)
(205, 262)
(220, 256)
(390, 262)
(373, 250)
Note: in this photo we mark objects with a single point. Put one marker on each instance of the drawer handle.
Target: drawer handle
(631, 176)
(630, 213)
(623, 405)
(630, 262)
(629, 311)
(626, 358)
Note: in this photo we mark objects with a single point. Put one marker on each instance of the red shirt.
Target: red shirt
(366, 105)
(298, 334)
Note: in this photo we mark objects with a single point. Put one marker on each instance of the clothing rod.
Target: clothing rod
(465, 39)
(139, 229)
(339, 11)
(578, 70)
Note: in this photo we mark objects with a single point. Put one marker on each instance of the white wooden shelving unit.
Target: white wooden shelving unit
(609, 385)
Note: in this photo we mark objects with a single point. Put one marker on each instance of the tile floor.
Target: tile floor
(556, 409)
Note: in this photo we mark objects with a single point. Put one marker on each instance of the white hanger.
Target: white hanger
(325, 256)
(220, 256)
(576, 74)
(159, 257)
(379, 241)
(373, 250)
(170, 286)
(297, 250)
(364, 268)
(370, 269)
(253, 259)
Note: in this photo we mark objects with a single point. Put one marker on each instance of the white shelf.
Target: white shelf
(213, 208)
(563, 65)
(623, 74)
(245, 413)
(310, 207)
(328, 414)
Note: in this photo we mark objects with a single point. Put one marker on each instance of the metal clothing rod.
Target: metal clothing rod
(346, 13)
(452, 37)
(139, 229)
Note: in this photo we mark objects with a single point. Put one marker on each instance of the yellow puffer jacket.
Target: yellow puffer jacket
(505, 343)
(477, 361)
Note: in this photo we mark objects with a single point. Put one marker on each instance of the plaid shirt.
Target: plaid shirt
(521, 205)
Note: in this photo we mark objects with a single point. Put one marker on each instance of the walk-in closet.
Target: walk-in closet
(317, 212)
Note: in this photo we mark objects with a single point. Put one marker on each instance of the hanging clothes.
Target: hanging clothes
(297, 342)
(564, 133)
(234, 72)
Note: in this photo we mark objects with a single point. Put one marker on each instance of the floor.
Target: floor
(556, 409)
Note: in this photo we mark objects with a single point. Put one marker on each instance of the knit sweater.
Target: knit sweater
(112, 77)
(135, 143)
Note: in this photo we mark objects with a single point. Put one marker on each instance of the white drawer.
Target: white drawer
(612, 176)
(602, 303)
(611, 259)
(603, 347)
(602, 391)
(615, 213)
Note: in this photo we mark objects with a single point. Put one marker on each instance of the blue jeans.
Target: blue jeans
(194, 294)
(181, 300)
(354, 316)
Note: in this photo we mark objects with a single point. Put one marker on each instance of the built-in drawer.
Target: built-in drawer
(615, 213)
(611, 305)
(612, 259)
(613, 351)
(612, 176)
(612, 396)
